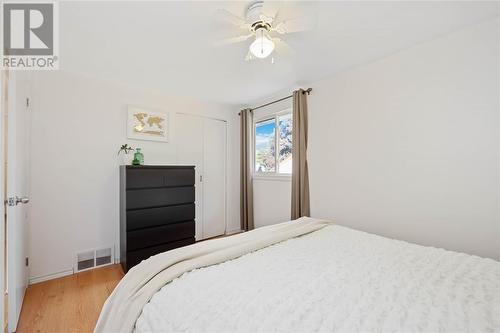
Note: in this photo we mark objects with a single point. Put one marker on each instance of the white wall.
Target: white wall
(272, 203)
(408, 146)
(78, 127)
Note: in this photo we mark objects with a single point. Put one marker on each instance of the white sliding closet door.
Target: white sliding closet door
(214, 180)
(202, 142)
(189, 134)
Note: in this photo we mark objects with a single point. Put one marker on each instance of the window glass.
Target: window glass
(265, 146)
(285, 143)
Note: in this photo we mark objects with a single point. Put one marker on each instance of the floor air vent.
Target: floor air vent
(103, 257)
(94, 258)
(85, 260)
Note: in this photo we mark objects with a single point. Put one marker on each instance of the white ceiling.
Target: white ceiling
(168, 46)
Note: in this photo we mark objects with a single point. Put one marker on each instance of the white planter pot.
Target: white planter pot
(126, 159)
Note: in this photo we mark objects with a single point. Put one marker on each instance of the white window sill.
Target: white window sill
(273, 177)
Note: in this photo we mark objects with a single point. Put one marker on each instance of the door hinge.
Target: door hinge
(201, 178)
(10, 201)
(27, 261)
(27, 102)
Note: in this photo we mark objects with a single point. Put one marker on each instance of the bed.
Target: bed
(307, 275)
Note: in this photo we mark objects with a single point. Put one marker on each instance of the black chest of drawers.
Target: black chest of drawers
(157, 211)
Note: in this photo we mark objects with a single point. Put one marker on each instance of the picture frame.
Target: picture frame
(147, 124)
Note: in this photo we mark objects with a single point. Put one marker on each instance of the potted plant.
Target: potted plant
(126, 156)
(126, 159)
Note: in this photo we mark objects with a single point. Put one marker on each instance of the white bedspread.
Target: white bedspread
(125, 304)
(336, 280)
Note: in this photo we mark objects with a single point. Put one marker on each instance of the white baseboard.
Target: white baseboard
(43, 278)
(235, 231)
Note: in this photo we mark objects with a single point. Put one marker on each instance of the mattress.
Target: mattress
(333, 280)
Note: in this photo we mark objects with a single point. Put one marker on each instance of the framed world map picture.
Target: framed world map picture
(146, 124)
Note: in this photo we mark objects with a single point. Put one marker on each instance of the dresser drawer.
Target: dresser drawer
(151, 217)
(158, 197)
(135, 257)
(139, 239)
(144, 178)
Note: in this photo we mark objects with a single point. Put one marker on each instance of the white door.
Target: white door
(17, 161)
(189, 138)
(202, 142)
(3, 107)
(214, 178)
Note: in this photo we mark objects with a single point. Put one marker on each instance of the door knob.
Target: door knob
(23, 200)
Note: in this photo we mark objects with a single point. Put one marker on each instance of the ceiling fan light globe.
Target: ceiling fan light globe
(262, 47)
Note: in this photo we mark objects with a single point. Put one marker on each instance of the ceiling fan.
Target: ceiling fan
(263, 25)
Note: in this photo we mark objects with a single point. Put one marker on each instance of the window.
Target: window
(269, 134)
(265, 146)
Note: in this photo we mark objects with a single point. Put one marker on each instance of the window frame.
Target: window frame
(270, 175)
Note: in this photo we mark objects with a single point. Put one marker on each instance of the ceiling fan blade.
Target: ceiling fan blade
(280, 28)
(249, 56)
(270, 9)
(267, 19)
(226, 16)
(298, 24)
(233, 40)
(282, 47)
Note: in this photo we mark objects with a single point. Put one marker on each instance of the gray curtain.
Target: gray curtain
(300, 176)
(246, 188)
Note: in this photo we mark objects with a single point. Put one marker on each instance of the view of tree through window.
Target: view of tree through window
(285, 143)
(269, 134)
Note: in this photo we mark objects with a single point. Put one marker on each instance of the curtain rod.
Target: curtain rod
(307, 91)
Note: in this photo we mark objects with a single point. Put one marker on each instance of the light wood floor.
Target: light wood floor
(68, 304)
